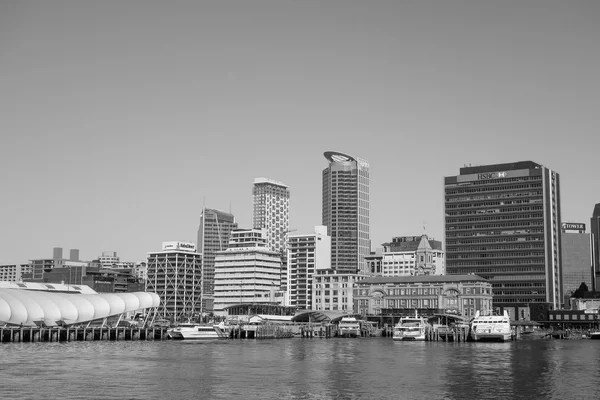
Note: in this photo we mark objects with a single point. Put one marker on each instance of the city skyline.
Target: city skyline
(119, 123)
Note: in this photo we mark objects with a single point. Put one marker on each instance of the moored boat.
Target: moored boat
(190, 331)
(411, 328)
(491, 327)
(349, 327)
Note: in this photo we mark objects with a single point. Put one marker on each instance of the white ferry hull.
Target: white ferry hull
(409, 337)
(349, 332)
(196, 334)
(498, 337)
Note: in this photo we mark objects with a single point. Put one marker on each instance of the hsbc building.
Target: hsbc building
(502, 222)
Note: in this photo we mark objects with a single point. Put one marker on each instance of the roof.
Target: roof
(336, 156)
(421, 279)
(496, 167)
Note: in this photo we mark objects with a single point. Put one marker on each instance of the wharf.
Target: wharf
(58, 334)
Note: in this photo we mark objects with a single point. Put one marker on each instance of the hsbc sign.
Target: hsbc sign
(491, 175)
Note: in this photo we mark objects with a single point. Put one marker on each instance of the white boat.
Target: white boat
(349, 327)
(491, 327)
(190, 331)
(411, 328)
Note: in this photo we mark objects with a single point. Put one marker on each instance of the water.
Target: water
(362, 368)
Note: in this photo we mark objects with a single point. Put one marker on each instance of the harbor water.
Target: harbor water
(362, 368)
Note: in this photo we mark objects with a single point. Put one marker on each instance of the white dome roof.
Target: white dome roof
(30, 307)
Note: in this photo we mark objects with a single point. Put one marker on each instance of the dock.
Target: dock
(59, 334)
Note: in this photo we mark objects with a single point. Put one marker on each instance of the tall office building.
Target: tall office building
(271, 212)
(306, 254)
(346, 211)
(502, 222)
(174, 274)
(595, 231)
(213, 236)
(576, 258)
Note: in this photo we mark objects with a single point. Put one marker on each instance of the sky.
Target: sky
(120, 120)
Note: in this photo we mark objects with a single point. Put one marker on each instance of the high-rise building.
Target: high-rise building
(246, 272)
(346, 211)
(502, 222)
(271, 212)
(213, 236)
(595, 231)
(306, 254)
(576, 258)
(174, 274)
(412, 255)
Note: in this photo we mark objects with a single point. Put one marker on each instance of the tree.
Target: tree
(580, 293)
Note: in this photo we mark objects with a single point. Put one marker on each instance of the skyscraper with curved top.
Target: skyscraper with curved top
(346, 211)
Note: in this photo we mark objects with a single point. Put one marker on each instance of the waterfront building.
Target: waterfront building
(248, 271)
(333, 290)
(175, 274)
(306, 254)
(33, 304)
(576, 258)
(345, 211)
(14, 272)
(595, 232)
(213, 236)
(412, 255)
(502, 222)
(428, 294)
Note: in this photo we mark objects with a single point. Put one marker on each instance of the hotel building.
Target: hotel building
(247, 272)
(346, 211)
(576, 258)
(213, 236)
(175, 275)
(306, 254)
(502, 222)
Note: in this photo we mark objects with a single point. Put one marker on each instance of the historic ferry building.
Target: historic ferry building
(429, 295)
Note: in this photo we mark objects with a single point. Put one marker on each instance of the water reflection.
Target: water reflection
(362, 368)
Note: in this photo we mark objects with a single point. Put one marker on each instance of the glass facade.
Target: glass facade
(213, 235)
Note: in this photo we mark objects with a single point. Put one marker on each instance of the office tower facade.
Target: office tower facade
(595, 232)
(174, 274)
(346, 211)
(271, 212)
(576, 258)
(213, 236)
(502, 222)
(248, 271)
(306, 254)
(412, 255)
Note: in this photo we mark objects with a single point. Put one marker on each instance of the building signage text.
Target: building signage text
(571, 226)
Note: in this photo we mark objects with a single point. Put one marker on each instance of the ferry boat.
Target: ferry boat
(349, 327)
(411, 328)
(191, 331)
(491, 327)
